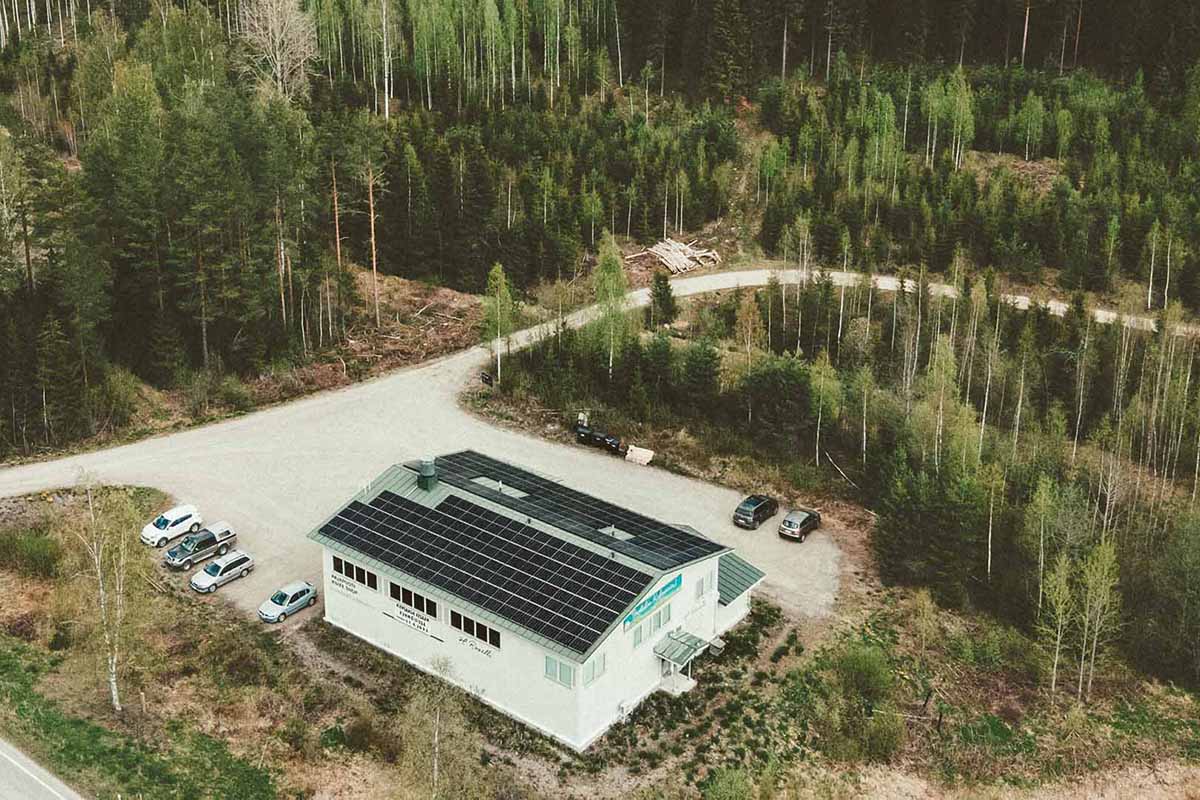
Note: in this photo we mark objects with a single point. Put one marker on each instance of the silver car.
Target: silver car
(234, 564)
(291, 598)
(798, 524)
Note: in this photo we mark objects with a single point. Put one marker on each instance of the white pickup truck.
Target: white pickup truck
(215, 540)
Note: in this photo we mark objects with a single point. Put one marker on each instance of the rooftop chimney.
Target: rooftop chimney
(427, 475)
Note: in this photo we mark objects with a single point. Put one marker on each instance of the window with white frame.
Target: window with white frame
(594, 668)
(660, 618)
(560, 672)
(638, 635)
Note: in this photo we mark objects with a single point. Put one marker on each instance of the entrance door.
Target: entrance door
(667, 667)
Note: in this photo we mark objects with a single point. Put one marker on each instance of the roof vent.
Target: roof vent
(427, 476)
(616, 533)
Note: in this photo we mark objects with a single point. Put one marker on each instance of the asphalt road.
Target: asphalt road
(22, 779)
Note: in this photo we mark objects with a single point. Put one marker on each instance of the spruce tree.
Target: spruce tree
(725, 55)
(663, 308)
(58, 389)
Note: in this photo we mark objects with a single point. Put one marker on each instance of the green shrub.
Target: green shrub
(117, 397)
(234, 394)
(197, 392)
(31, 552)
(864, 674)
(883, 735)
(333, 736)
(294, 733)
(728, 783)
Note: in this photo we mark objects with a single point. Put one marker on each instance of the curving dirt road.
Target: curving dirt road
(275, 473)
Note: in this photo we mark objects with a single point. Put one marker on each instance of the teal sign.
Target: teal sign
(646, 606)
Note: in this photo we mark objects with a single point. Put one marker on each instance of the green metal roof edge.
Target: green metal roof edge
(735, 577)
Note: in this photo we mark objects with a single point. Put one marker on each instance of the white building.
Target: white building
(559, 609)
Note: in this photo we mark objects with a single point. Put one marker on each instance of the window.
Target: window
(484, 633)
(666, 612)
(413, 600)
(356, 573)
(594, 668)
(637, 636)
(560, 672)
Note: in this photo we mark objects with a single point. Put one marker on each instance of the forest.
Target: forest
(183, 189)
(1044, 469)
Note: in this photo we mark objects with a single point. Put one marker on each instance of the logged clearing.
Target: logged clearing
(1039, 174)
(419, 321)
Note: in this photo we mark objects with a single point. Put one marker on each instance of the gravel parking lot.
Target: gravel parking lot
(277, 473)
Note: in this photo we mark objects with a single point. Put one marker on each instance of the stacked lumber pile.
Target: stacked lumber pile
(679, 257)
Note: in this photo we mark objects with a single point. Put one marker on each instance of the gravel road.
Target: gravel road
(276, 473)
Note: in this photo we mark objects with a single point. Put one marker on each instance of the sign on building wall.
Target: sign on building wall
(646, 606)
(410, 618)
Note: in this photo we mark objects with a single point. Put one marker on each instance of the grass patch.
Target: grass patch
(189, 764)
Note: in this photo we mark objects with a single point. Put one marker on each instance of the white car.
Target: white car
(171, 524)
(234, 564)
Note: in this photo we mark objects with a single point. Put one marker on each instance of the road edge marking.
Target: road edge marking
(28, 772)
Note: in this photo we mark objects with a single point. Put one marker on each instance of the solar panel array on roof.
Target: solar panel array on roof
(637, 536)
(542, 583)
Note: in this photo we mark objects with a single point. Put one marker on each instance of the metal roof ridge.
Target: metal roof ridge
(542, 525)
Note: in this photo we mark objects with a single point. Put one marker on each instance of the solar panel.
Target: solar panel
(535, 580)
(652, 542)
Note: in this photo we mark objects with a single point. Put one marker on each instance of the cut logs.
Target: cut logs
(679, 257)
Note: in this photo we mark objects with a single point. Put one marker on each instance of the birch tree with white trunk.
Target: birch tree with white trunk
(281, 43)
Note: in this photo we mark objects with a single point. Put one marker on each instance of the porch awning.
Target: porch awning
(680, 647)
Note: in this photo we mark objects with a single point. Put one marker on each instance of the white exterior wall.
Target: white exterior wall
(633, 673)
(512, 677)
(732, 614)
